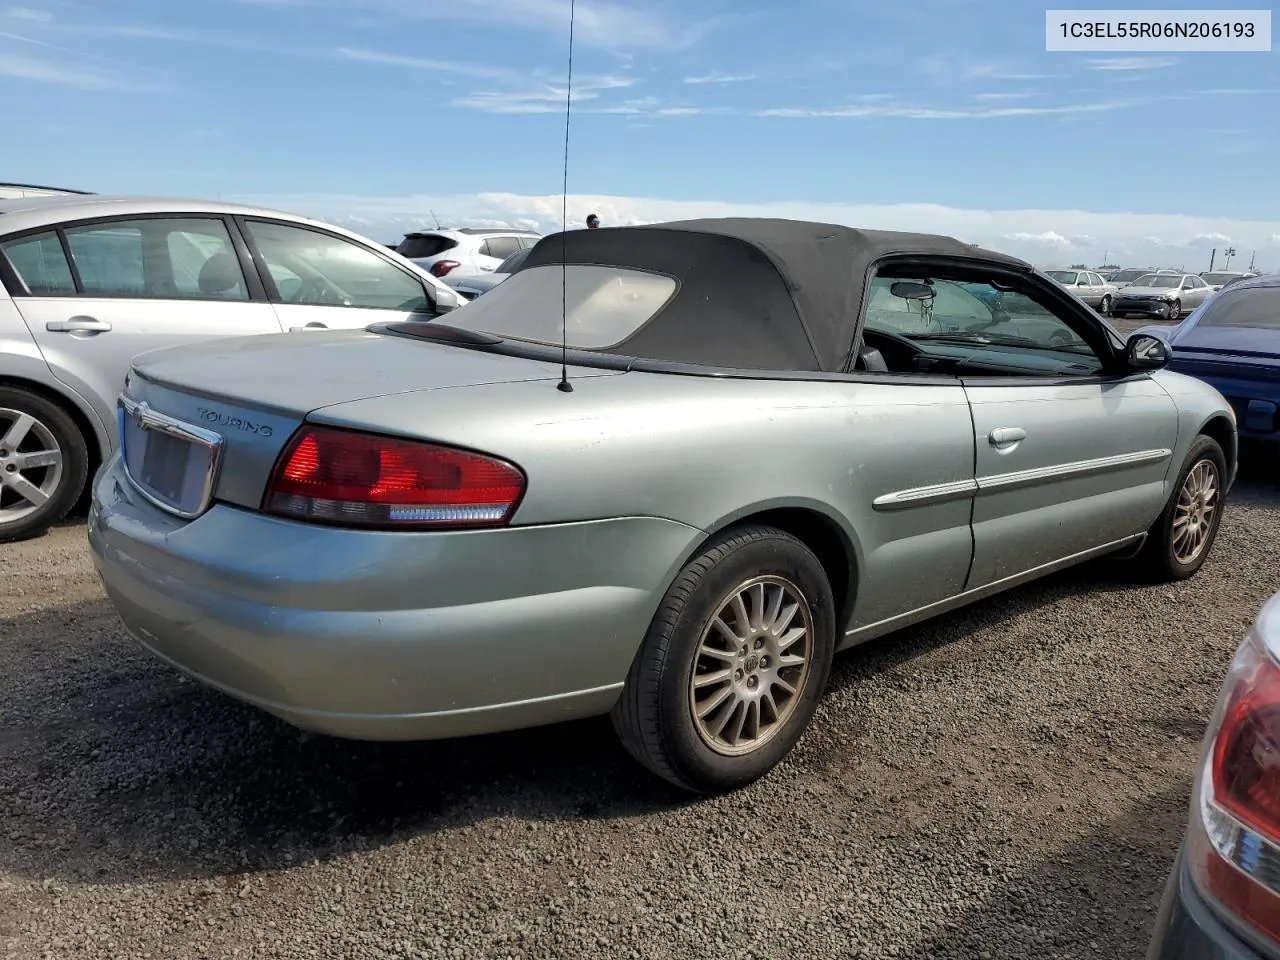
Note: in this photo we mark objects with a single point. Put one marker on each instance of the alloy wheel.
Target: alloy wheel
(30, 465)
(1193, 515)
(751, 665)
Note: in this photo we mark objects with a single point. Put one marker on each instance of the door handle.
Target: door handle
(313, 325)
(78, 325)
(1007, 436)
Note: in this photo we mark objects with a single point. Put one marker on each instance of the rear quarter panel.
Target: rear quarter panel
(709, 451)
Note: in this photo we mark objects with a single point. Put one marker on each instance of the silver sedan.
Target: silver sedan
(1088, 286)
(661, 472)
(1165, 296)
(88, 282)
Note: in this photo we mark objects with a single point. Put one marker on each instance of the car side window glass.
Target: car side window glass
(41, 265)
(109, 258)
(170, 258)
(502, 247)
(972, 328)
(319, 269)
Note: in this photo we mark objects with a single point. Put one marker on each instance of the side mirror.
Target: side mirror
(1145, 352)
(446, 300)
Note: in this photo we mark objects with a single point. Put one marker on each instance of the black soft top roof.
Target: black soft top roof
(753, 292)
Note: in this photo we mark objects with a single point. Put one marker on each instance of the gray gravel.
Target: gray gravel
(1006, 782)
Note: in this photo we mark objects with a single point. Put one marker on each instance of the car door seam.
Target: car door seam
(973, 500)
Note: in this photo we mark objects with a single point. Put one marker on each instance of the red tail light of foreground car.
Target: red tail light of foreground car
(1234, 837)
(358, 479)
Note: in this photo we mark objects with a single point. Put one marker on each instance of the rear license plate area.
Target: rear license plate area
(174, 464)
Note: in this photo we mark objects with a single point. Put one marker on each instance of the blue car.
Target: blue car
(1232, 342)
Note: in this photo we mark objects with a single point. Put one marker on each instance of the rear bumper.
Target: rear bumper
(387, 635)
(1186, 928)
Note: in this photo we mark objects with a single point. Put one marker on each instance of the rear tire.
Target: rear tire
(706, 703)
(1104, 307)
(1180, 540)
(44, 462)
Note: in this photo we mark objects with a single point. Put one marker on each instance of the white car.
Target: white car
(471, 285)
(465, 252)
(1217, 279)
(89, 282)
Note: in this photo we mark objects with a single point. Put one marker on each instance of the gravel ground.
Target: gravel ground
(1006, 782)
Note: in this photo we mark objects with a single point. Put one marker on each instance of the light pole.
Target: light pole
(1231, 252)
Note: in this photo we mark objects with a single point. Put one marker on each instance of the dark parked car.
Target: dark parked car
(1233, 343)
(1222, 901)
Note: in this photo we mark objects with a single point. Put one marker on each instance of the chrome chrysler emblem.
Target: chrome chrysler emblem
(140, 415)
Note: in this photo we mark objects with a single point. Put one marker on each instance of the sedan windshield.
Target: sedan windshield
(601, 306)
(1063, 276)
(1162, 281)
(1258, 308)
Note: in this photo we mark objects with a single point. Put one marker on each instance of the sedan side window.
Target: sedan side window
(317, 268)
(168, 258)
(41, 265)
(971, 328)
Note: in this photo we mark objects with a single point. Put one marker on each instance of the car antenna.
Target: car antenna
(564, 386)
(435, 218)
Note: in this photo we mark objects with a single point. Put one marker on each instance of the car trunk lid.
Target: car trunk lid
(249, 395)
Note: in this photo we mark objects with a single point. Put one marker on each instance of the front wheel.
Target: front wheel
(1175, 310)
(43, 464)
(734, 663)
(1179, 542)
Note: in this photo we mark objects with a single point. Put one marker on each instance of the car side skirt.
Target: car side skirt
(871, 631)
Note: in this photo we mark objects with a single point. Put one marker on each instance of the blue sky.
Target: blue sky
(346, 105)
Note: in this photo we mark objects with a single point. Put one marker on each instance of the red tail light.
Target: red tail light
(1234, 842)
(357, 479)
(442, 267)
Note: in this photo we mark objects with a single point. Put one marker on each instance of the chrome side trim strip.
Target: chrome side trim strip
(923, 496)
(872, 630)
(1001, 482)
(1069, 471)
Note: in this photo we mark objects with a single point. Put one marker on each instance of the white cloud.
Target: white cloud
(418, 63)
(1132, 63)
(1049, 238)
(60, 73)
(716, 77)
(1208, 240)
(994, 97)
(544, 97)
(945, 113)
(599, 23)
(28, 14)
(1046, 237)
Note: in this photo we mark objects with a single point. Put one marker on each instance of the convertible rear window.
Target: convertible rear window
(603, 305)
(1258, 308)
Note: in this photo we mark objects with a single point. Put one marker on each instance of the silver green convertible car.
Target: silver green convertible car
(662, 472)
